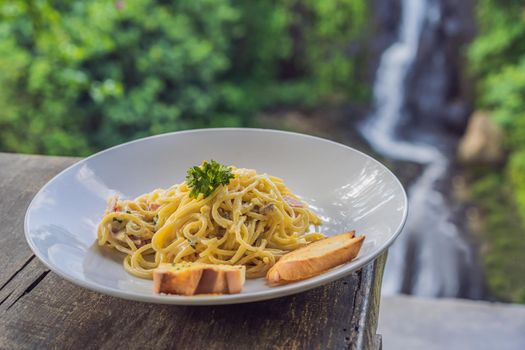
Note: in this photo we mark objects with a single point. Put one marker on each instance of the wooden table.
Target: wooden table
(38, 309)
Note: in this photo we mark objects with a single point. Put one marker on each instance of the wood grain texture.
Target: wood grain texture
(20, 178)
(38, 309)
(366, 313)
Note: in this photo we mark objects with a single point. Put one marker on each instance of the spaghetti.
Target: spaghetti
(251, 221)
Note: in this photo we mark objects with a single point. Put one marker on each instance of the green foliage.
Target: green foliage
(336, 23)
(504, 245)
(516, 174)
(497, 59)
(501, 38)
(78, 76)
(502, 93)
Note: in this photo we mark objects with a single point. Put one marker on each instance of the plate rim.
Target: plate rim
(289, 289)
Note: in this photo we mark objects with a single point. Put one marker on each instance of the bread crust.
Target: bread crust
(191, 279)
(315, 258)
(182, 283)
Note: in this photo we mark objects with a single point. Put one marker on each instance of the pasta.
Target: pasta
(251, 221)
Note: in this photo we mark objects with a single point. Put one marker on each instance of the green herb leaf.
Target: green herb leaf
(207, 177)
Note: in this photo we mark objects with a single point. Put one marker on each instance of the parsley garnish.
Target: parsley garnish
(207, 177)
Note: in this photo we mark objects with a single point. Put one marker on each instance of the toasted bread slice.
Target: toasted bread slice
(315, 258)
(198, 278)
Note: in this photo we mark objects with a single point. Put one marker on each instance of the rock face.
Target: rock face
(438, 90)
(482, 142)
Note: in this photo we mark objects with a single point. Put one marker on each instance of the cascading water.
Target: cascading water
(430, 257)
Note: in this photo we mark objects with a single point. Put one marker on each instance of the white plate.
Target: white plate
(349, 190)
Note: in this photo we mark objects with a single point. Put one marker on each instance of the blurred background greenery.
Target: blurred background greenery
(497, 61)
(80, 76)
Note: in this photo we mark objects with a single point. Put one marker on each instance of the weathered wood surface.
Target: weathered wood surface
(38, 309)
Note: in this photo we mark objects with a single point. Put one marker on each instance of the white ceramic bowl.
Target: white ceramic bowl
(347, 188)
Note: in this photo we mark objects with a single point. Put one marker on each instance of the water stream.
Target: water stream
(431, 257)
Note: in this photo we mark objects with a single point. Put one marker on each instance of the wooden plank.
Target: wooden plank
(378, 342)
(38, 309)
(60, 314)
(20, 178)
(366, 313)
(22, 283)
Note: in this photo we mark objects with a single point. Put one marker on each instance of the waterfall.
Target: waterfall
(429, 258)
